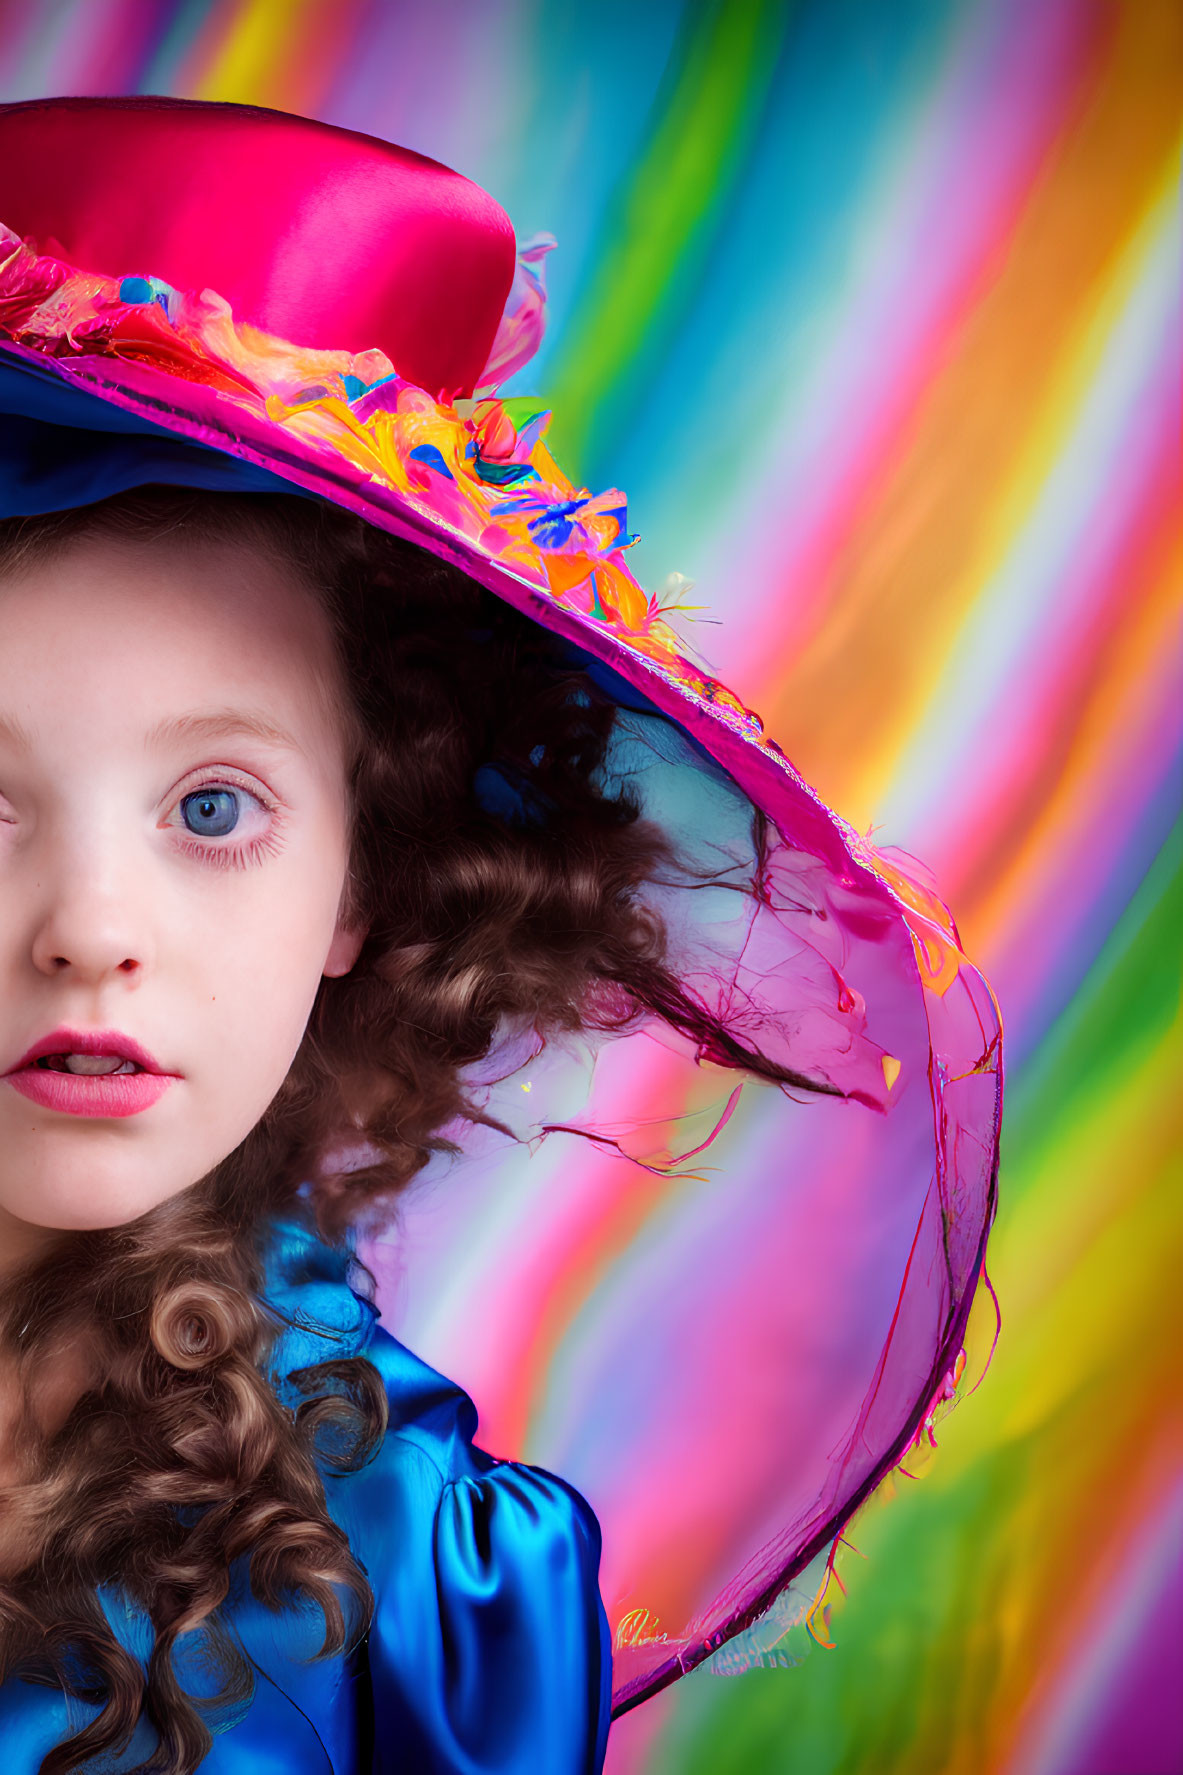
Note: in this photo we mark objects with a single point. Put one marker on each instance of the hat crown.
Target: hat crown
(322, 236)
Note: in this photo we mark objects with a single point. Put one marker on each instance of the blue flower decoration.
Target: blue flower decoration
(433, 458)
(139, 292)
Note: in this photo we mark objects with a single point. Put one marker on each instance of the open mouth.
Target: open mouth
(99, 1073)
(87, 1065)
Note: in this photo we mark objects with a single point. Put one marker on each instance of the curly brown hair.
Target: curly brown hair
(176, 1458)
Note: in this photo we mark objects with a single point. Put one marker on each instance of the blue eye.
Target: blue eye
(210, 813)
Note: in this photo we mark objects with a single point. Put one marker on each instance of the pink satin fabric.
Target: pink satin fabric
(330, 238)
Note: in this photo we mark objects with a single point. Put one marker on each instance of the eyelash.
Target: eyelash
(217, 853)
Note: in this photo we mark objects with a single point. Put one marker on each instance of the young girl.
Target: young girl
(343, 768)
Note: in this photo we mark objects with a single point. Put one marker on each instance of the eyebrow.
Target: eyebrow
(221, 724)
(197, 728)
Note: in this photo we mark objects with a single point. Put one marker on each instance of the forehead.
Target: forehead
(171, 623)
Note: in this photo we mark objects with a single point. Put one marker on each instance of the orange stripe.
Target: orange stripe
(1141, 657)
(895, 595)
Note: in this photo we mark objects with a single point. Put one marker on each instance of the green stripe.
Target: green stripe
(660, 226)
(1120, 1015)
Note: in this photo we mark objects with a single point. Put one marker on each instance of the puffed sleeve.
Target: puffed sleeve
(489, 1651)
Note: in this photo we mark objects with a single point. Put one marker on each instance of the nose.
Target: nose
(91, 924)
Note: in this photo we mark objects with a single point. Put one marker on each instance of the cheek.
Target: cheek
(255, 968)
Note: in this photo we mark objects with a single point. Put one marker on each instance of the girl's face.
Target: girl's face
(173, 851)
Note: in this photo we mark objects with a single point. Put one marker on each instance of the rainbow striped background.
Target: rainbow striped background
(874, 310)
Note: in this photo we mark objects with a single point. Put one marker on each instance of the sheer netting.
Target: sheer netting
(719, 1307)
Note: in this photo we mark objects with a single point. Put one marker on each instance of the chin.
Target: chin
(90, 1202)
(92, 1217)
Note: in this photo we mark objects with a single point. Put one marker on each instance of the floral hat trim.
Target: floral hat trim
(479, 469)
(481, 466)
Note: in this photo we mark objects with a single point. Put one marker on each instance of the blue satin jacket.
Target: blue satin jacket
(488, 1653)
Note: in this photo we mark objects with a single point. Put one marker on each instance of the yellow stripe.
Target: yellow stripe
(251, 65)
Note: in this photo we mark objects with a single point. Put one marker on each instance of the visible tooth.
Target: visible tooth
(97, 1065)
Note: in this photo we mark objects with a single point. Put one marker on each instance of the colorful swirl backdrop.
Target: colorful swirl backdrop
(874, 310)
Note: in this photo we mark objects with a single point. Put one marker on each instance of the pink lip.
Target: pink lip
(73, 1094)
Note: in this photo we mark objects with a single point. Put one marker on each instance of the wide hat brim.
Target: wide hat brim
(752, 1348)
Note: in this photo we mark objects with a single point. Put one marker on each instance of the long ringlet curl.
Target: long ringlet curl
(178, 1464)
(177, 1461)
